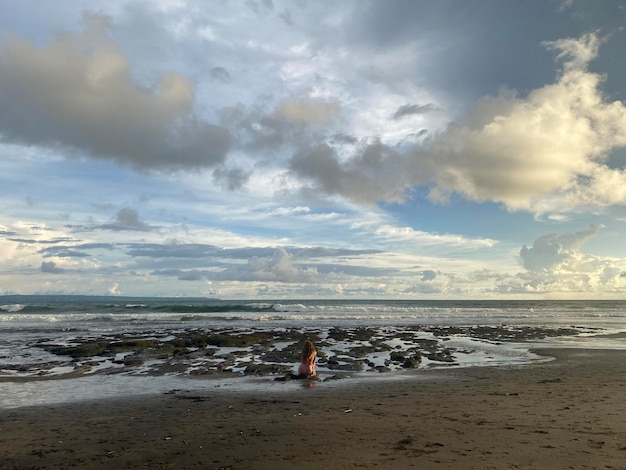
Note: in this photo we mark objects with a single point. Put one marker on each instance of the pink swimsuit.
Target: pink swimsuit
(306, 368)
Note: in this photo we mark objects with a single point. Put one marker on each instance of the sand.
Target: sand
(567, 413)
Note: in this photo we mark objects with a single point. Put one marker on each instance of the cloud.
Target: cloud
(557, 264)
(62, 252)
(264, 6)
(370, 175)
(51, 267)
(278, 268)
(264, 130)
(341, 138)
(551, 251)
(203, 251)
(610, 275)
(411, 109)
(576, 52)
(428, 275)
(114, 289)
(220, 74)
(308, 110)
(231, 178)
(545, 152)
(407, 234)
(173, 250)
(184, 275)
(78, 93)
(255, 129)
(127, 219)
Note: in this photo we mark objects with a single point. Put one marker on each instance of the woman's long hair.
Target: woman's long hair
(308, 352)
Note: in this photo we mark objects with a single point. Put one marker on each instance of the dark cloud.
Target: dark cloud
(413, 137)
(320, 252)
(428, 275)
(260, 7)
(182, 275)
(51, 268)
(320, 164)
(285, 15)
(30, 241)
(220, 74)
(77, 92)
(62, 252)
(201, 251)
(193, 275)
(174, 250)
(96, 246)
(341, 138)
(477, 46)
(293, 122)
(256, 129)
(231, 178)
(412, 109)
(374, 173)
(127, 219)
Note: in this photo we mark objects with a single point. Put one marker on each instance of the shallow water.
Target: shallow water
(470, 352)
(359, 337)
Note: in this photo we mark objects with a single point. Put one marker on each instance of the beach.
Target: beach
(565, 413)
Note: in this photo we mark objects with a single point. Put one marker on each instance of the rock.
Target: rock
(442, 356)
(265, 369)
(412, 362)
(241, 340)
(133, 360)
(396, 356)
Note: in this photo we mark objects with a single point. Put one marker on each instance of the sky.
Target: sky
(270, 149)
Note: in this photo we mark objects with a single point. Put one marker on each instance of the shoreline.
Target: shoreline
(263, 351)
(564, 413)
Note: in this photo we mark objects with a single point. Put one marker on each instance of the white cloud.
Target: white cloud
(408, 234)
(278, 268)
(546, 151)
(543, 152)
(553, 251)
(556, 265)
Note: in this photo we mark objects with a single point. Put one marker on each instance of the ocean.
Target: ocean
(56, 349)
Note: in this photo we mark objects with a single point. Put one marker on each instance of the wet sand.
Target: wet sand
(565, 414)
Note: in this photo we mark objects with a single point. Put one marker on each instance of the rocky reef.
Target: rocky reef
(263, 352)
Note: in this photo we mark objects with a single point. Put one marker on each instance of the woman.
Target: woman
(307, 365)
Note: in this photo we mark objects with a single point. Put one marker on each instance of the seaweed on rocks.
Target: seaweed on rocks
(261, 351)
(442, 356)
(222, 340)
(364, 350)
(266, 369)
(503, 332)
(345, 363)
(411, 361)
(79, 351)
(356, 334)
